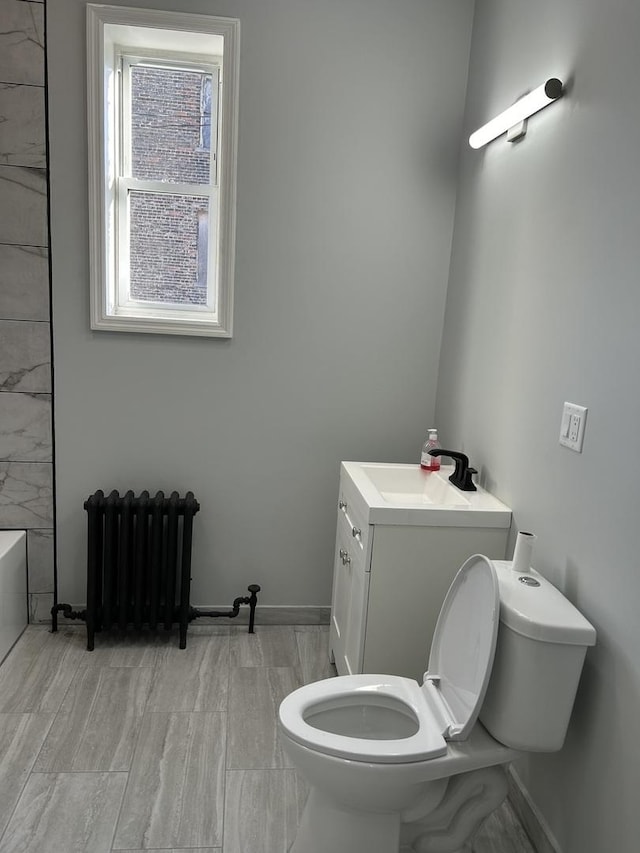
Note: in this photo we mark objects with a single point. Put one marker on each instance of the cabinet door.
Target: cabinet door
(349, 603)
(411, 570)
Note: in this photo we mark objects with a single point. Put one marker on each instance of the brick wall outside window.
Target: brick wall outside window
(164, 248)
(167, 145)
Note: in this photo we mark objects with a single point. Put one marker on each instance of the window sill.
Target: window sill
(156, 325)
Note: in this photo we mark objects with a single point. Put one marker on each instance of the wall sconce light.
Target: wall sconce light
(518, 112)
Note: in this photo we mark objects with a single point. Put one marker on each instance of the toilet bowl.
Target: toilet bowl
(394, 765)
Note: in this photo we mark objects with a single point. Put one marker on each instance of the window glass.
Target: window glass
(168, 125)
(206, 94)
(167, 259)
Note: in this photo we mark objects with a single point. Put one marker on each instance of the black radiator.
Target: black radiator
(139, 565)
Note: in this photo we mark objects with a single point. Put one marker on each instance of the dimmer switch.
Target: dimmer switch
(572, 426)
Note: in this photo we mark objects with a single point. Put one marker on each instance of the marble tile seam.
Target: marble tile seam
(43, 458)
(13, 84)
(25, 246)
(42, 169)
(24, 320)
(31, 83)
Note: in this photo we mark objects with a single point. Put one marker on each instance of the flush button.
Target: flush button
(528, 581)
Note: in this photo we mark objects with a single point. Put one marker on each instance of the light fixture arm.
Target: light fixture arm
(526, 106)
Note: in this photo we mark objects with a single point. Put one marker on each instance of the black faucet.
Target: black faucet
(461, 476)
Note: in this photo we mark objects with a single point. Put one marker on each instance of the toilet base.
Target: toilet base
(326, 826)
(448, 828)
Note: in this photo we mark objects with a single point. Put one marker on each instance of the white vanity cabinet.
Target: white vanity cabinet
(396, 555)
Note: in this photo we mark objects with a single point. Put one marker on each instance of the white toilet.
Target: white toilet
(397, 766)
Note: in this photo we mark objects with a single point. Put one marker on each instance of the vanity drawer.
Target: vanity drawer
(349, 602)
(352, 515)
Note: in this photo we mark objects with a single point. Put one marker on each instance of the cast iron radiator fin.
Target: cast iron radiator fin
(139, 565)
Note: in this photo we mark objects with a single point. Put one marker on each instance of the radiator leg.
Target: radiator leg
(183, 635)
(91, 630)
(254, 589)
(93, 542)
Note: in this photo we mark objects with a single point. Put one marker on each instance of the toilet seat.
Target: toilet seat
(391, 690)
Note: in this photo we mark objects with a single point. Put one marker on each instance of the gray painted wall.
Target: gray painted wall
(26, 456)
(543, 307)
(350, 120)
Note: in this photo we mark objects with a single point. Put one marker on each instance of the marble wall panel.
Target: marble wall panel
(22, 133)
(24, 282)
(22, 42)
(25, 357)
(25, 427)
(26, 495)
(24, 193)
(40, 604)
(25, 354)
(40, 561)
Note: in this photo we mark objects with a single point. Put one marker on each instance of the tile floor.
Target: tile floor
(140, 746)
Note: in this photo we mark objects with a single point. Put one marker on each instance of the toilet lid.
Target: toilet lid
(463, 647)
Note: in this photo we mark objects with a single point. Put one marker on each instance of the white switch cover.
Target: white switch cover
(572, 426)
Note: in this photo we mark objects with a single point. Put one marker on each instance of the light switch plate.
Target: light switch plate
(572, 427)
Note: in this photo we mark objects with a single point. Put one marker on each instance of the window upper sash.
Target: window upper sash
(126, 62)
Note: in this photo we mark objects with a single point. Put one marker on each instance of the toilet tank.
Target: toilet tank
(541, 646)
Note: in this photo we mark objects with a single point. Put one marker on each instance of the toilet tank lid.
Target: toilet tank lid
(538, 610)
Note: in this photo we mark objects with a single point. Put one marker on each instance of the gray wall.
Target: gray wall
(350, 119)
(543, 306)
(25, 365)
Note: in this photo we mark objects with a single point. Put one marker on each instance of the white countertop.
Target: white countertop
(405, 494)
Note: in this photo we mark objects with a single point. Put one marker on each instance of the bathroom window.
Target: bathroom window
(162, 147)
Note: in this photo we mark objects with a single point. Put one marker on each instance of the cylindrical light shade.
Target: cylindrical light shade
(522, 109)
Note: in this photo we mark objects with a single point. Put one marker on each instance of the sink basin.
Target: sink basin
(391, 493)
(409, 484)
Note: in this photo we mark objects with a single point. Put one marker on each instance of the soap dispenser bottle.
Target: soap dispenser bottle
(428, 462)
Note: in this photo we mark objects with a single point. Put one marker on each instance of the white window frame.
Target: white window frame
(124, 183)
(114, 32)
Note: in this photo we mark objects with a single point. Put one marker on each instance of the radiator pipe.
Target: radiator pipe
(194, 612)
(251, 600)
(67, 612)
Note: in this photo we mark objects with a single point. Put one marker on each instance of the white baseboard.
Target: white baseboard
(270, 615)
(536, 827)
(265, 615)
